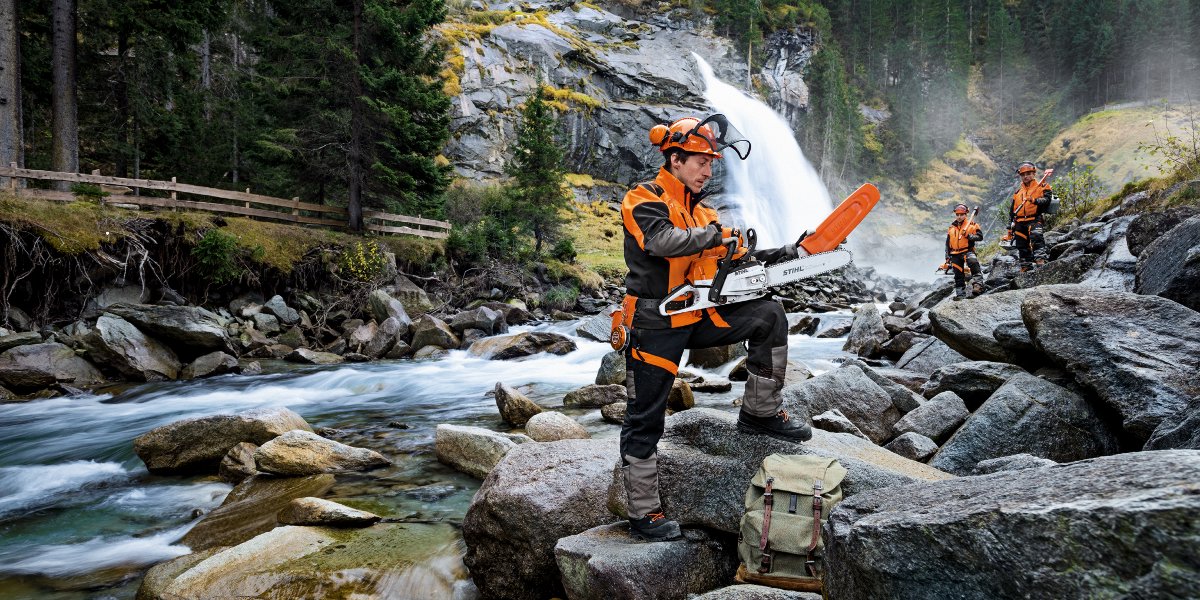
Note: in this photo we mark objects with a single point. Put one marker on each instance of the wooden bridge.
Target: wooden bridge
(234, 202)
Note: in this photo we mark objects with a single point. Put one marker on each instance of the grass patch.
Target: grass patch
(599, 239)
(279, 246)
(71, 228)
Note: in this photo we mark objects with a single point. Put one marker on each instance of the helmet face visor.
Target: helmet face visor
(715, 135)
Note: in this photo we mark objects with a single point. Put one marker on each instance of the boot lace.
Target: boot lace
(656, 516)
(783, 415)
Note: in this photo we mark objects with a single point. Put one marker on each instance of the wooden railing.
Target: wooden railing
(246, 203)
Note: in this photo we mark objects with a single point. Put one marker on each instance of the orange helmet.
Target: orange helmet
(960, 208)
(710, 136)
(1026, 167)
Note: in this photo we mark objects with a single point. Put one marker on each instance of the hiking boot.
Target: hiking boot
(779, 426)
(655, 527)
(976, 289)
(960, 293)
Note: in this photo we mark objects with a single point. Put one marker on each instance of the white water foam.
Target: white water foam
(64, 560)
(776, 190)
(28, 487)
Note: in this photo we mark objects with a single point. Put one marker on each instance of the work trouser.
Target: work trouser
(1031, 246)
(961, 263)
(652, 360)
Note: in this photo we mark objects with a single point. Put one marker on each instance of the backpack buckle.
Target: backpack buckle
(765, 565)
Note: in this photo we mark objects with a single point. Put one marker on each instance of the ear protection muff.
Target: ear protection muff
(658, 134)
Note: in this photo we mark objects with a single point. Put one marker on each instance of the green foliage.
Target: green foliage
(490, 238)
(537, 191)
(1078, 190)
(1180, 150)
(362, 262)
(216, 253)
(564, 250)
(560, 297)
(88, 192)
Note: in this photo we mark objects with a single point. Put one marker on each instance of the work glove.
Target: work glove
(728, 233)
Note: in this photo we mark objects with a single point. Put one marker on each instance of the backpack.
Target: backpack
(788, 500)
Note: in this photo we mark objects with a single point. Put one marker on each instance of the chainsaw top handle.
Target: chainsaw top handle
(726, 263)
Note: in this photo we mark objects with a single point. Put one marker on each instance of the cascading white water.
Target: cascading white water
(775, 190)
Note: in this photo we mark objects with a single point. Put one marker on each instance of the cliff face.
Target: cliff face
(615, 73)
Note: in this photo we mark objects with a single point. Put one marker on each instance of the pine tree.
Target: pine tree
(537, 171)
(356, 113)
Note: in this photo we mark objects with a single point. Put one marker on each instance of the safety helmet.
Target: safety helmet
(960, 208)
(710, 136)
(1026, 167)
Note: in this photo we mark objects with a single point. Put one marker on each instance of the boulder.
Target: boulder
(1170, 266)
(1014, 338)
(850, 391)
(902, 398)
(24, 338)
(208, 365)
(710, 385)
(383, 307)
(189, 331)
(521, 345)
(614, 413)
(756, 592)
(802, 324)
(836, 331)
(536, 495)
(612, 369)
(292, 338)
(196, 446)
(514, 314)
(1070, 269)
(713, 358)
(312, 357)
(32, 367)
(973, 381)
(705, 464)
(386, 335)
(1012, 462)
(385, 560)
(473, 450)
(605, 562)
(1027, 415)
(324, 513)
(156, 580)
(265, 323)
(487, 320)
(1148, 227)
(935, 419)
(1044, 533)
(359, 335)
(911, 380)
(429, 330)
(929, 356)
(867, 333)
(834, 421)
(238, 463)
(681, 397)
(913, 446)
(415, 300)
(967, 326)
(901, 343)
(552, 426)
(595, 396)
(286, 314)
(596, 327)
(251, 508)
(299, 453)
(1139, 354)
(796, 372)
(515, 408)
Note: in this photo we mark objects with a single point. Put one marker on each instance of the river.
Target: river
(80, 517)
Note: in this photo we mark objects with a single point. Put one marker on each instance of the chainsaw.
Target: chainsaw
(739, 280)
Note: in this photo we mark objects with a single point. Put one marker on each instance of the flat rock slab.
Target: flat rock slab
(967, 326)
(606, 562)
(1120, 526)
(473, 450)
(326, 513)
(300, 452)
(251, 509)
(756, 592)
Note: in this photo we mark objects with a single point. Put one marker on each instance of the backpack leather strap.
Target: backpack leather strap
(810, 562)
(763, 545)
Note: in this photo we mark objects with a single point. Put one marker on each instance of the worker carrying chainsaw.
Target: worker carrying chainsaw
(1026, 216)
(672, 237)
(960, 252)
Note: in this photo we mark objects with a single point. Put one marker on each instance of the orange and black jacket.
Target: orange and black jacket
(962, 238)
(667, 233)
(1028, 201)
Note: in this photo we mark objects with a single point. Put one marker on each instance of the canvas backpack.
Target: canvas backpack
(788, 500)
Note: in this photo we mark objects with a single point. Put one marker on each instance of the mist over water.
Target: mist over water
(775, 190)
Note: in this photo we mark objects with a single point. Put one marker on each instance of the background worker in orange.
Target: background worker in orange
(960, 253)
(1026, 220)
(672, 237)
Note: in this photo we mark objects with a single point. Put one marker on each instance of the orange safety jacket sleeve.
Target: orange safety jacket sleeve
(663, 239)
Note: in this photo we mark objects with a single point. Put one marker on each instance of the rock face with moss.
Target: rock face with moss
(1117, 526)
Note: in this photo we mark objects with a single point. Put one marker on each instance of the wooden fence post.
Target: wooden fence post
(12, 181)
(247, 202)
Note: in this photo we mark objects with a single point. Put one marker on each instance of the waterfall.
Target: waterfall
(775, 190)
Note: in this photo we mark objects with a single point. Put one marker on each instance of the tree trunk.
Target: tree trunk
(354, 206)
(11, 136)
(64, 129)
(123, 109)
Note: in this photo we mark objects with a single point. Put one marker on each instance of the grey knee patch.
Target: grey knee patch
(762, 397)
(641, 484)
